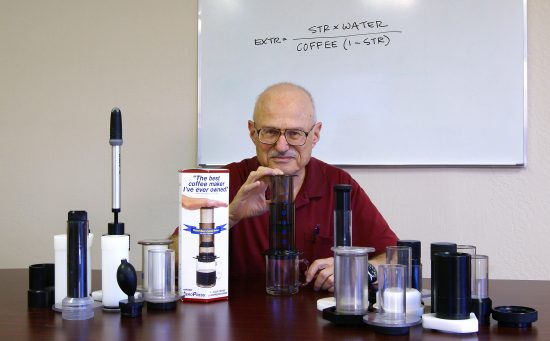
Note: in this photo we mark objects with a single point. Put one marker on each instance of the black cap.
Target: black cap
(115, 229)
(441, 247)
(116, 124)
(515, 316)
(77, 216)
(41, 293)
(415, 248)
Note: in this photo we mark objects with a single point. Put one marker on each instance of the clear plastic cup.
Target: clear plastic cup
(351, 279)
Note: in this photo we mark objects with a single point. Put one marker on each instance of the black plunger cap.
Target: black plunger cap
(77, 216)
(442, 247)
(342, 192)
(415, 248)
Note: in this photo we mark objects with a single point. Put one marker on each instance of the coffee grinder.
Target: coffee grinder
(206, 260)
(282, 258)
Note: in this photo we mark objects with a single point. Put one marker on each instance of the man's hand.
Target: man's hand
(197, 203)
(250, 200)
(322, 270)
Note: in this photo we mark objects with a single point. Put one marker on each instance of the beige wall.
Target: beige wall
(65, 64)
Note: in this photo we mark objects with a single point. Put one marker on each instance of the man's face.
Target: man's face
(285, 108)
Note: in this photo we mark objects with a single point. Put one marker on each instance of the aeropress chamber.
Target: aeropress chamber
(282, 259)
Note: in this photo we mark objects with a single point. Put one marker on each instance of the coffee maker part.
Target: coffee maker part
(127, 281)
(515, 316)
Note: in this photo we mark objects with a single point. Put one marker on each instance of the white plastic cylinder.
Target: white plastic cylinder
(89, 260)
(60, 259)
(114, 248)
(60, 249)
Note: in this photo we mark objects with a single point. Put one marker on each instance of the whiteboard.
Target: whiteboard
(395, 82)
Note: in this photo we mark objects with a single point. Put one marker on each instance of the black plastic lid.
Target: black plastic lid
(41, 276)
(415, 248)
(515, 316)
(441, 247)
(115, 229)
(43, 299)
(77, 216)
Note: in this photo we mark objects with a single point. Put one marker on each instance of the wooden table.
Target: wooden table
(249, 314)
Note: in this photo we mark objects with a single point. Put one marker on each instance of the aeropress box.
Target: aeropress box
(203, 262)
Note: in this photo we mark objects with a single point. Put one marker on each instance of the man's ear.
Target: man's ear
(251, 130)
(317, 133)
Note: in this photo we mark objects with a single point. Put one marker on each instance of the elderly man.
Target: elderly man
(285, 130)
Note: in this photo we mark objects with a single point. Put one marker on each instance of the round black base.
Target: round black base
(515, 316)
(331, 315)
(161, 306)
(390, 330)
(41, 298)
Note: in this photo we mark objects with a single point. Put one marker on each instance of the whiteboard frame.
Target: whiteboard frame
(522, 164)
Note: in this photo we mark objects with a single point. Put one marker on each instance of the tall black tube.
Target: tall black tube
(434, 249)
(453, 294)
(77, 254)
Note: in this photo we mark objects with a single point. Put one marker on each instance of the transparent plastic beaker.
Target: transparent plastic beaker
(391, 285)
(351, 279)
(161, 283)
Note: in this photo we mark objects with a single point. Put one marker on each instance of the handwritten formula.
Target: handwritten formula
(345, 35)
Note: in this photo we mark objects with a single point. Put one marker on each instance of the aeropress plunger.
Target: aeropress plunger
(351, 290)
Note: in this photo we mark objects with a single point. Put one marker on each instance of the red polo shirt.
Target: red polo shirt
(314, 208)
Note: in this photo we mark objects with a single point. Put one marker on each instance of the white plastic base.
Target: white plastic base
(326, 302)
(429, 321)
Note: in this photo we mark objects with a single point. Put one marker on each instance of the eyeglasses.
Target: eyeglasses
(294, 137)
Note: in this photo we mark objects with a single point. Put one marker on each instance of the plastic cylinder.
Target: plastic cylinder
(351, 279)
(452, 279)
(114, 248)
(391, 284)
(434, 249)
